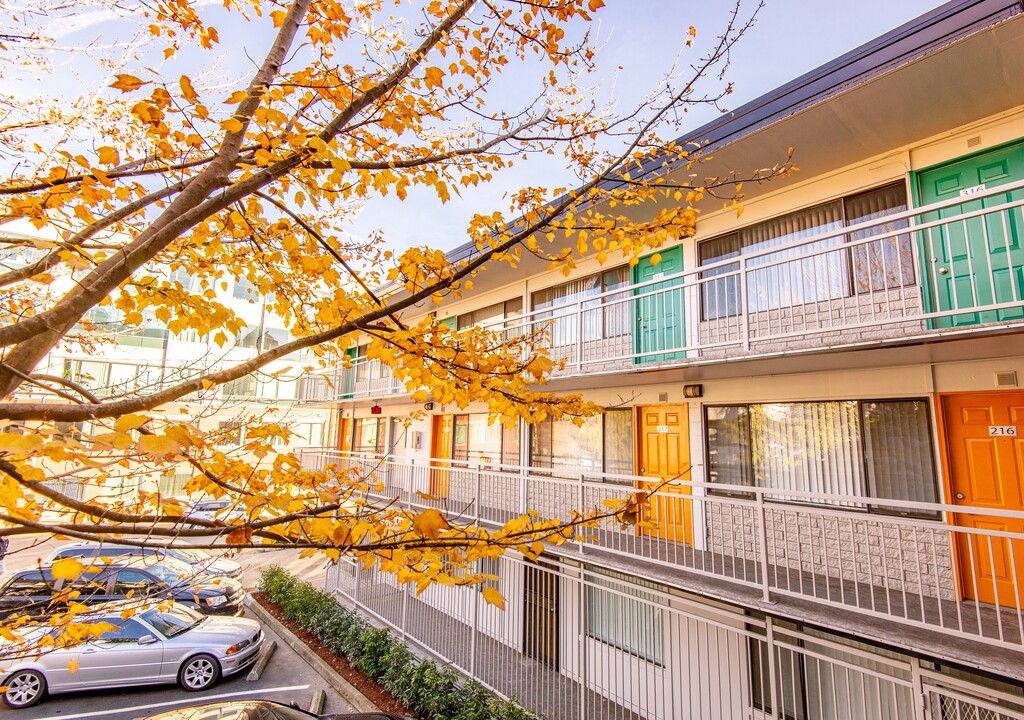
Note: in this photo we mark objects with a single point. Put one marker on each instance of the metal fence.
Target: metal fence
(576, 642)
(937, 571)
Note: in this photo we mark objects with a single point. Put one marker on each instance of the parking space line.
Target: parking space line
(195, 699)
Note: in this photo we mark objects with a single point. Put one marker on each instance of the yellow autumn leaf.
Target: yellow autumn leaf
(278, 17)
(236, 97)
(232, 125)
(18, 443)
(72, 665)
(493, 597)
(241, 536)
(429, 523)
(157, 445)
(434, 76)
(108, 155)
(187, 91)
(595, 5)
(66, 569)
(126, 83)
(130, 422)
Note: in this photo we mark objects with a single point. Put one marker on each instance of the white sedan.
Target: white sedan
(154, 646)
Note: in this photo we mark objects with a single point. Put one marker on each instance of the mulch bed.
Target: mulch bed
(368, 687)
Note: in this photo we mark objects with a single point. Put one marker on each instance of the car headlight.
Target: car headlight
(216, 600)
(235, 648)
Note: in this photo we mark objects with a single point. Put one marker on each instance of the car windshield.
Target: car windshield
(172, 621)
(190, 556)
(171, 571)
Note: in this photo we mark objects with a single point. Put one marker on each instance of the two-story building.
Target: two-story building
(833, 382)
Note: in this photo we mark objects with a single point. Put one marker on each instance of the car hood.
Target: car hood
(220, 566)
(217, 629)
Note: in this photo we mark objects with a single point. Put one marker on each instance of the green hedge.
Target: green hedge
(432, 691)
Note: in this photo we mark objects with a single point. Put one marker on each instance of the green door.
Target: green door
(348, 375)
(659, 307)
(977, 262)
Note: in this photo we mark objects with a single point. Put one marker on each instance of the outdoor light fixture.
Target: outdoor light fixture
(693, 391)
(428, 406)
(376, 410)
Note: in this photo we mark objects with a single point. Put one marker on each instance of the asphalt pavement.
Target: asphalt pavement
(287, 678)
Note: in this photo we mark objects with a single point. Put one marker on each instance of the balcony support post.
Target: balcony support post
(744, 310)
(579, 338)
(762, 539)
(580, 499)
(476, 631)
(479, 492)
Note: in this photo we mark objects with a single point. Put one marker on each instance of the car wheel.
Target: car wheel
(24, 688)
(199, 672)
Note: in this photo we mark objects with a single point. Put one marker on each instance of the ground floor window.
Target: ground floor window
(602, 444)
(822, 675)
(474, 439)
(370, 435)
(868, 448)
(621, 614)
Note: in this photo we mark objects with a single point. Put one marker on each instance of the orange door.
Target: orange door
(665, 455)
(985, 439)
(440, 451)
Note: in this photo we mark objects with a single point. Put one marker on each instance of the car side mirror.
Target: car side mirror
(147, 639)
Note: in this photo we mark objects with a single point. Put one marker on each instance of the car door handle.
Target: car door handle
(88, 649)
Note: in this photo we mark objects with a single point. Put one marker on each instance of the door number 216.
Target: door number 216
(1002, 431)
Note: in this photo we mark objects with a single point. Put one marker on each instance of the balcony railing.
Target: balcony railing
(577, 644)
(949, 267)
(953, 574)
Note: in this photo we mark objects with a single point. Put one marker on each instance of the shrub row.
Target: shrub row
(432, 691)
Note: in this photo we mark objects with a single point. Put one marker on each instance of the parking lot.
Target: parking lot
(287, 678)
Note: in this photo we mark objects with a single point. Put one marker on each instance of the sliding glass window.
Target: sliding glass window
(878, 449)
(800, 273)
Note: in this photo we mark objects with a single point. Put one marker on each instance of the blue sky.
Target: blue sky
(640, 40)
(789, 38)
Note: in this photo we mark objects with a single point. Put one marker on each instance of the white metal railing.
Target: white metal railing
(936, 571)
(913, 274)
(577, 643)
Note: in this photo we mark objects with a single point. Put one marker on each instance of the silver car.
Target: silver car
(154, 646)
(200, 560)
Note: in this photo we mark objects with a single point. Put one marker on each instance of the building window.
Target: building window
(602, 444)
(872, 449)
(244, 290)
(816, 670)
(243, 387)
(370, 435)
(474, 439)
(173, 485)
(310, 434)
(601, 316)
(772, 282)
(229, 433)
(621, 614)
(491, 315)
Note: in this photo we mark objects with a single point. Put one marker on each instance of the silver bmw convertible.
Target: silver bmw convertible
(156, 645)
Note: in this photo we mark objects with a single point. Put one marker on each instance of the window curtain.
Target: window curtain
(898, 450)
(774, 281)
(812, 447)
(887, 263)
(623, 615)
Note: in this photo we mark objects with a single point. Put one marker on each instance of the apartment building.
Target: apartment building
(109, 359)
(833, 382)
